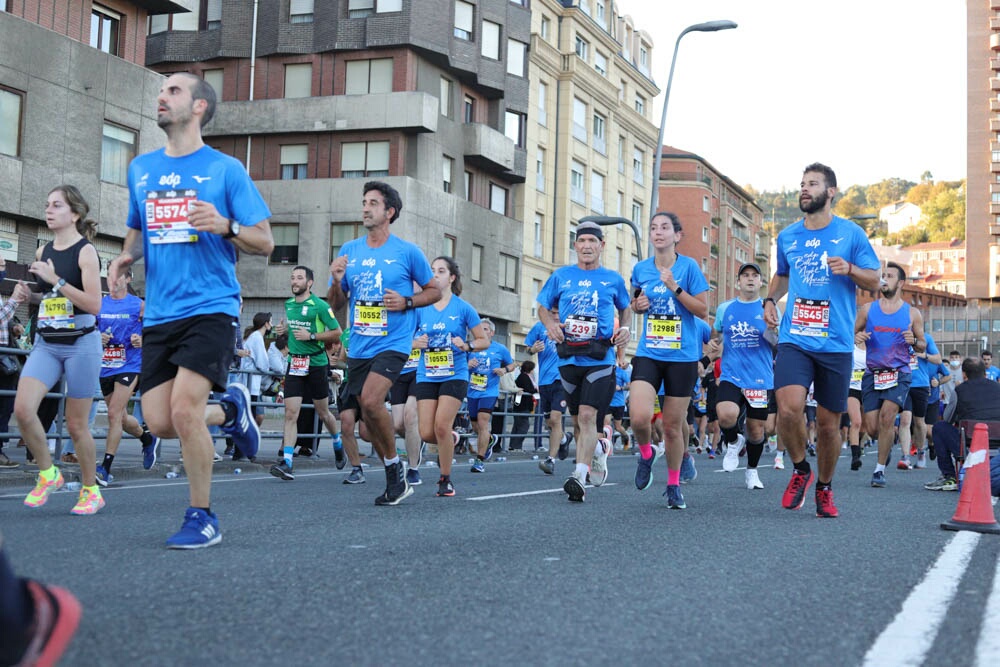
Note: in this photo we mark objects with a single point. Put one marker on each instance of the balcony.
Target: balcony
(994, 104)
(995, 81)
(685, 176)
(487, 148)
(761, 254)
(995, 125)
(405, 111)
(995, 41)
(994, 208)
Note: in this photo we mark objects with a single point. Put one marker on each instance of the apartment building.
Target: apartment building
(317, 97)
(723, 225)
(938, 265)
(589, 136)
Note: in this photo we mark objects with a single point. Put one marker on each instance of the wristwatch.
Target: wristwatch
(234, 230)
(409, 303)
(678, 290)
(59, 285)
(312, 336)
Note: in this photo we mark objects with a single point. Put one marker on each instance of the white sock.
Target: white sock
(879, 468)
(392, 461)
(581, 471)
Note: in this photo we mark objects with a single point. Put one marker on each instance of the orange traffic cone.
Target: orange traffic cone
(975, 512)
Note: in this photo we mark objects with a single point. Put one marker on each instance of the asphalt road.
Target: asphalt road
(509, 572)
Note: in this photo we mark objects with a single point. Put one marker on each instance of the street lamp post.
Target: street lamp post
(708, 26)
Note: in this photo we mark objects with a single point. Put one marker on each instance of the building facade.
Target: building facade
(590, 139)
(938, 265)
(318, 97)
(899, 215)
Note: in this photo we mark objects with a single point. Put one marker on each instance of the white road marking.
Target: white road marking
(527, 493)
(988, 647)
(910, 635)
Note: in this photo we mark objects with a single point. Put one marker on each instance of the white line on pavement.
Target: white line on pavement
(526, 493)
(908, 638)
(988, 647)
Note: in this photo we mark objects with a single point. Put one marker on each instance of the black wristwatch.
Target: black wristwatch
(409, 303)
(312, 336)
(678, 290)
(234, 230)
(771, 300)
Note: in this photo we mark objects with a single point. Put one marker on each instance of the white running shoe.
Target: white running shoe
(921, 459)
(732, 459)
(599, 464)
(779, 461)
(753, 480)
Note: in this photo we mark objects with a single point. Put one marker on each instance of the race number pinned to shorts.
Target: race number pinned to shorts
(167, 216)
(477, 381)
(371, 318)
(299, 365)
(114, 356)
(856, 375)
(811, 317)
(412, 361)
(885, 378)
(56, 313)
(580, 327)
(663, 331)
(439, 362)
(757, 398)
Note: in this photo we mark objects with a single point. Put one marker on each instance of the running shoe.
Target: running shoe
(216, 457)
(243, 429)
(732, 459)
(711, 452)
(825, 509)
(548, 466)
(942, 484)
(675, 499)
(753, 479)
(283, 471)
(574, 489)
(644, 471)
(795, 493)
(878, 480)
(688, 471)
(445, 488)
(396, 488)
(811, 448)
(413, 477)
(855, 463)
(779, 461)
(357, 476)
(56, 617)
(477, 466)
(488, 454)
(564, 446)
(495, 445)
(88, 503)
(149, 453)
(5, 462)
(40, 494)
(921, 460)
(200, 529)
(341, 458)
(68, 457)
(599, 464)
(103, 476)
(904, 464)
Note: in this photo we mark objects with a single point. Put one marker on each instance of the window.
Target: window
(705, 204)
(621, 90)
(448, 168)
(638, 158)
(621, 154)
(539, 224)
(117, 150)
(364, 159)
(448, 248)
(599, 143)
(704, 234)
(341, 233)
(104, 25)
(498, 199)
(536, 289)
(546, 27)
(996, 156)
(599, 12)
(469, 110)
(585, 6)
(515, 125)
(508, 273)
(298, 80)
(572, 245)
(286, 243)
(294, 161)
(476, 272)
(215, 78)
(540, 170)
(368, 76)
(620, 209)
(643, 59)
(468, 185)
(11, 103)
(515, 57)
(213, 15)
(300, 11)
(543, 93)
(385, 6)
(463, 19)
(576, 183)
(446, 101)
(359, 9)
(580, 119)
(582, 47)
(640, 105)
(597, 192)
(491, 40)
(637, 214)
(601, 63)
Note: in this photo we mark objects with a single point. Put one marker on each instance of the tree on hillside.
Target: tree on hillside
(853, 202)
(887, 191)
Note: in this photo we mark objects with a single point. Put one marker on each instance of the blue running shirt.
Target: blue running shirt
(483, 382)
(622, 377)
(669, 331)
(548, 359)
(442, 361)
(821, 306)
(188, 272)
(120, 318)
(886, 348)
(922, 369)
(747, 361)
(396, 265)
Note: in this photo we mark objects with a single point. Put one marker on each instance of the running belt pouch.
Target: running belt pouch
(63, 336)
(593, 348)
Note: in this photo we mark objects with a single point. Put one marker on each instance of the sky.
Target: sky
(873, 88)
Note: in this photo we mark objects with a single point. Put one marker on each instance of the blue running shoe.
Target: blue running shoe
(149, 453)
(675, 499)
(200, 529)
(243, 430)
(103, 476)
(878, 480)
(413, 477)
(688, 472)
(477, 466)
(644, 471)
(489, 449)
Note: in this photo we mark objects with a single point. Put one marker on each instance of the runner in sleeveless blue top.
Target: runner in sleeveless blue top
(120, 324)
(821, 261)
(374, 276)
(888, 327)
(551, 398)
(190, 209)
(912, 424)
(443, 371)
(485, 368)
(747, 380)
(669, 289)
(587, 297)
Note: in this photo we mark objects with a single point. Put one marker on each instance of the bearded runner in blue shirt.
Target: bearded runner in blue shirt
(374, 275)
(587, 297)
(190, 209)
(822, 260)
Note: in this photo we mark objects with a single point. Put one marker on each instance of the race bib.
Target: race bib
(811, 317)
(885, 378)
(299, 366)
(56, 313)
(412, 361)
(663, 332)
(167, 216)
(857, 374)
(914, 365)
(580, 327)
(477, 381)
(114, 356)
(439, 362)
(370, 318)
(757, 398)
